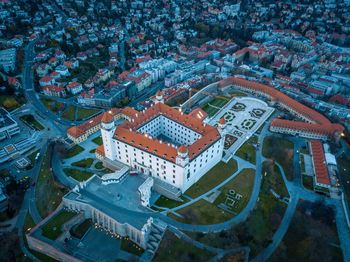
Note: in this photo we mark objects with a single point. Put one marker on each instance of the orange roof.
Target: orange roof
(222, 121)
(159, 93)
(127, 132)
(198, 113)
(107, 117)
(100, 150)
(319, 123)
(321, 170)
(77, 131)
(182, 149)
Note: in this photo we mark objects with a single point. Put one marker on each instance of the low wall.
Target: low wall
(47, 249)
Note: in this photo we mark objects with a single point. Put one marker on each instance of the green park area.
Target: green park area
(201, 213)
(10, 102)
(77, 174)
(99, 165)
(69, 113)
(98, 140)
(243, 185)
(212, 107)
(311, 236)
(32, 122)
(80, 230)
(52, 228)
(130, 247)
(49, 192)
(257, 231)
(84, 113)
(73, 151)
(308, 182)
(248, 150)
(163, 201)
(232, 198)
(282, 151)
(52, 105)
(344, 173)
(173, 249)
(84, 163)
(212, 178)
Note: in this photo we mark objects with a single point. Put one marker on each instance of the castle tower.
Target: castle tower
(107, 131)
(182, 156)
(159, 97)
(222, 124)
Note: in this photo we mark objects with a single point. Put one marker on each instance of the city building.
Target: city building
(8, 126)
(162, 142)
(319, 164)
(8, 59)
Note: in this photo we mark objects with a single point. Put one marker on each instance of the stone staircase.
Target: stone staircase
(155, 236)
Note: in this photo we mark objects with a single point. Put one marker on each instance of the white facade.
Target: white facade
(183, 171)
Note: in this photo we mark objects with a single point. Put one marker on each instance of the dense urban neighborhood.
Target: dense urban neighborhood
(174, 130)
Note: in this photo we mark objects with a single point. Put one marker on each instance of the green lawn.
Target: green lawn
(202, 213)
(69, 113)
(272, 174)
(210, 110)
(247, 151)
(28, 222)
(173, 249)
(75, 150)
(49, 192)
(212, 178)
(308, 182)
(216, 102)
(32, 122)
(282, 151)
(52, 105)
(242, 184)
(52, 228)
(4, 173)
(77, 174)
(344, 173)
(84, 113)
(169, 203)
(255, 232)
(131, 247)
(79, 231)
(99, 165)
(85, 163)
(10, 102)
(98, 140)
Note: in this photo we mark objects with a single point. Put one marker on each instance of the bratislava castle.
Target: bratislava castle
(165, 143)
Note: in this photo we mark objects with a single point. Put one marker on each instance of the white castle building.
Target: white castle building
(164, 143)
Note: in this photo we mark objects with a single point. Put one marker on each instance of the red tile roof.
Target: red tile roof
(127, 132)
(100, 150)
(321, 170)
(319, 123)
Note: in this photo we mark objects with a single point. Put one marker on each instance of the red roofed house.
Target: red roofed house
(74, 88)
(53, 90)
(46, 81)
